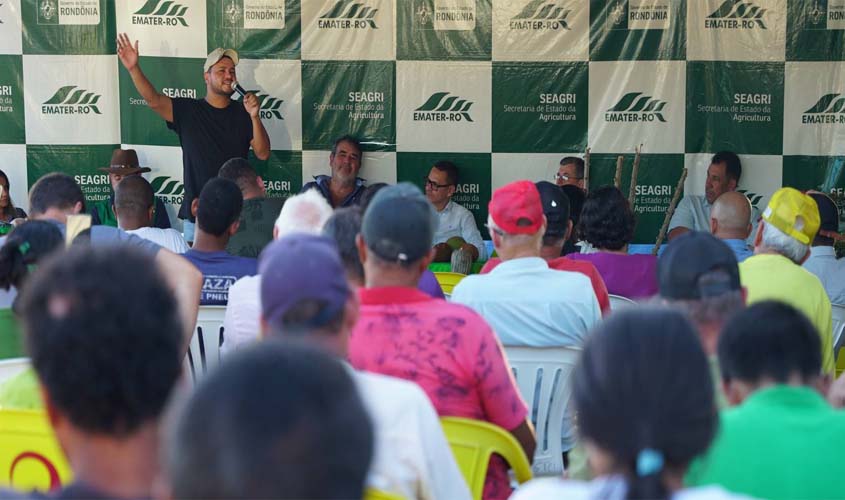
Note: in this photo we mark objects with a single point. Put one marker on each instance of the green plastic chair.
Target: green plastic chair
(472, 443)
(11, 344)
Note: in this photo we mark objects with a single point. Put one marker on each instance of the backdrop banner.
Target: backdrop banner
(503, 88)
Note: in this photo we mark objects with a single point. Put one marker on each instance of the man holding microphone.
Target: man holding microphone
(212, 129)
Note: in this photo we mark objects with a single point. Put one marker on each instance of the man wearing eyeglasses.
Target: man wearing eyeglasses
(456, 226)
(571, 172)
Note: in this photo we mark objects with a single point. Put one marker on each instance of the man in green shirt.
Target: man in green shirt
(124, 163)
(259, 213)
(783, 440)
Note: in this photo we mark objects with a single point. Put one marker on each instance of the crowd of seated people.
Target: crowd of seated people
(341, 355)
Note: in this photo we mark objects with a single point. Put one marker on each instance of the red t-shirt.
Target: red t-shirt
(446, 348)
(564, 264)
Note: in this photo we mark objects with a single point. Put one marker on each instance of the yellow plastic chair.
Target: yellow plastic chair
(374, 494)
(448, 281)
(30, 456)
(472, 443)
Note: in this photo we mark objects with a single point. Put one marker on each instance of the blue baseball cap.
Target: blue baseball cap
(300, 267)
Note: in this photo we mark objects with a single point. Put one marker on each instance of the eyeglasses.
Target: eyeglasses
(433, 185)
(563, 177)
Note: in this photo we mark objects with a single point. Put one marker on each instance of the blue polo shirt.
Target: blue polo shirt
(739, 248)
(529, 304)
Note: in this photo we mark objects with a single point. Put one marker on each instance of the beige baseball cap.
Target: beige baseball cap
(216, 55)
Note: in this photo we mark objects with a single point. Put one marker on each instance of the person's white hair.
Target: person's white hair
(782, 243)
(304, 213)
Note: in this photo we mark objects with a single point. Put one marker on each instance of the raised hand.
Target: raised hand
(251, 104)
(127, 54)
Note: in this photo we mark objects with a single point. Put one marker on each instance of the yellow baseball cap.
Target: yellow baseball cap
(794, 213)
(216, 55)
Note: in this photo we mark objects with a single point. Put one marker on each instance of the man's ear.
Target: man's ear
(714, 226)
(568, 231)
(362, 248)
(806, 256)
(260, 185)
(264, 328)
(195, 205)
(233, 228)
(425, 261)
(49, 408)
(732, 184)
(758, 238)
(452, 190)
(77, 207)
(351, 310)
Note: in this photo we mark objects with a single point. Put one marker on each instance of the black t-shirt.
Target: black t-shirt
(209, 136)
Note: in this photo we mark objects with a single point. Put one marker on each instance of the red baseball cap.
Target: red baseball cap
(514, 203)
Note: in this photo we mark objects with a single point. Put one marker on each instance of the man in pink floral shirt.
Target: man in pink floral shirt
(446, 348)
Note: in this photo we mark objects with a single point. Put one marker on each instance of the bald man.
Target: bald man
(729, 221)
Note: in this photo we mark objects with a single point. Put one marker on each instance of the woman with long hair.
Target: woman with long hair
(645, 410)
(8, 210)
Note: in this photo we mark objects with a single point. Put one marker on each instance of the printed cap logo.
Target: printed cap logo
(160, 13)
(830, 108)
(636, 107)
(441, 107)
(736, 14)
(349, 14)
(541, 15)
(70, 100)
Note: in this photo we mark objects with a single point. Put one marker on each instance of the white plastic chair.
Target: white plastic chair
(618, 302)
(544, 377)
(838, 315)
(204, 352)
(11, 367)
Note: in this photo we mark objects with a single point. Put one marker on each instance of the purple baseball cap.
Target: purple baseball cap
(301, 267)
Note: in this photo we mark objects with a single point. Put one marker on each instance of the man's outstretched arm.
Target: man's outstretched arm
(128, 55)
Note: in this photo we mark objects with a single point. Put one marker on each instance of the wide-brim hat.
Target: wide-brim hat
(125, 162)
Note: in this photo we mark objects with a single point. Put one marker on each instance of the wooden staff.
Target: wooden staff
(587, 170)
(632, 198)
(617, 179)
(670, 212)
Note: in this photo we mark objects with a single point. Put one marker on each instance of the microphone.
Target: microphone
(237, 88)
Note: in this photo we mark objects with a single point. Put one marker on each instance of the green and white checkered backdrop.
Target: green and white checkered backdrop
(504, 88)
